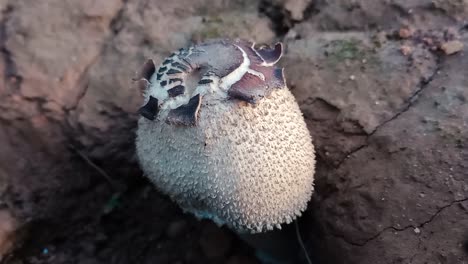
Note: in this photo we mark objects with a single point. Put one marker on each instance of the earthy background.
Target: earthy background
(383, 86)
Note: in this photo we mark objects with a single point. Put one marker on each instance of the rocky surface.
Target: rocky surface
(8, 227)
(383, 88)
(416, 165)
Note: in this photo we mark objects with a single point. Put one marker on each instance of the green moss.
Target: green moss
(209, 32)
(212, 28)
(352, 50)
(213, 19)
(346, 50)
(217, 27)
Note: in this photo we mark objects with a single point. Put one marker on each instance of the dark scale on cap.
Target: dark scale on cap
(235, 62)
(150, 110)
(173, 80)
(163, 83)
(186, 114)
(162, 69)
(247, 47)
(180, 66)
(173, 71)
(167, 61)
(205, 81)
(249, 88)
(175, 91)
(255, 59)
(271, 55)
(158, 76)
(187, 62)
(274, 77)
(183, 52)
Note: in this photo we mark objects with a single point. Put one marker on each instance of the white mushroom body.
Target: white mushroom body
(242, 159)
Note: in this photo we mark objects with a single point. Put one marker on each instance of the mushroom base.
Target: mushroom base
(277, 246)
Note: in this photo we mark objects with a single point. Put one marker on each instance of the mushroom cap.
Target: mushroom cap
(247, 164)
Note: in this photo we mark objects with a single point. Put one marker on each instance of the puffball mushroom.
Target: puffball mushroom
(222, 135)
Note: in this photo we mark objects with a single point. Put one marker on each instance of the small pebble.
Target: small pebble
(428, 41)
(417, 230)
(405, 33)
(352, 77)
(452, 47)
(406, 50)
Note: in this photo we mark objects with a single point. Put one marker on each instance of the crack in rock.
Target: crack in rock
(115, 26)
(423, 84)
(83, 82)
(10, 71)
(410, 102)
(401, 229)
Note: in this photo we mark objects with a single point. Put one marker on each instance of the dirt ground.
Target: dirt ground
(383, 86)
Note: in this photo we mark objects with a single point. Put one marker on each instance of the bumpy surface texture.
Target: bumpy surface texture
(249, 166)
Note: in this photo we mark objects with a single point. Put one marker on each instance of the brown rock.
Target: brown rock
(327, 59)
(29, 40)
(361, 15)
(380, 209)
(456, 9)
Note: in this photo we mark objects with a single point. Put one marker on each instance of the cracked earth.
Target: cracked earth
(382, 85)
